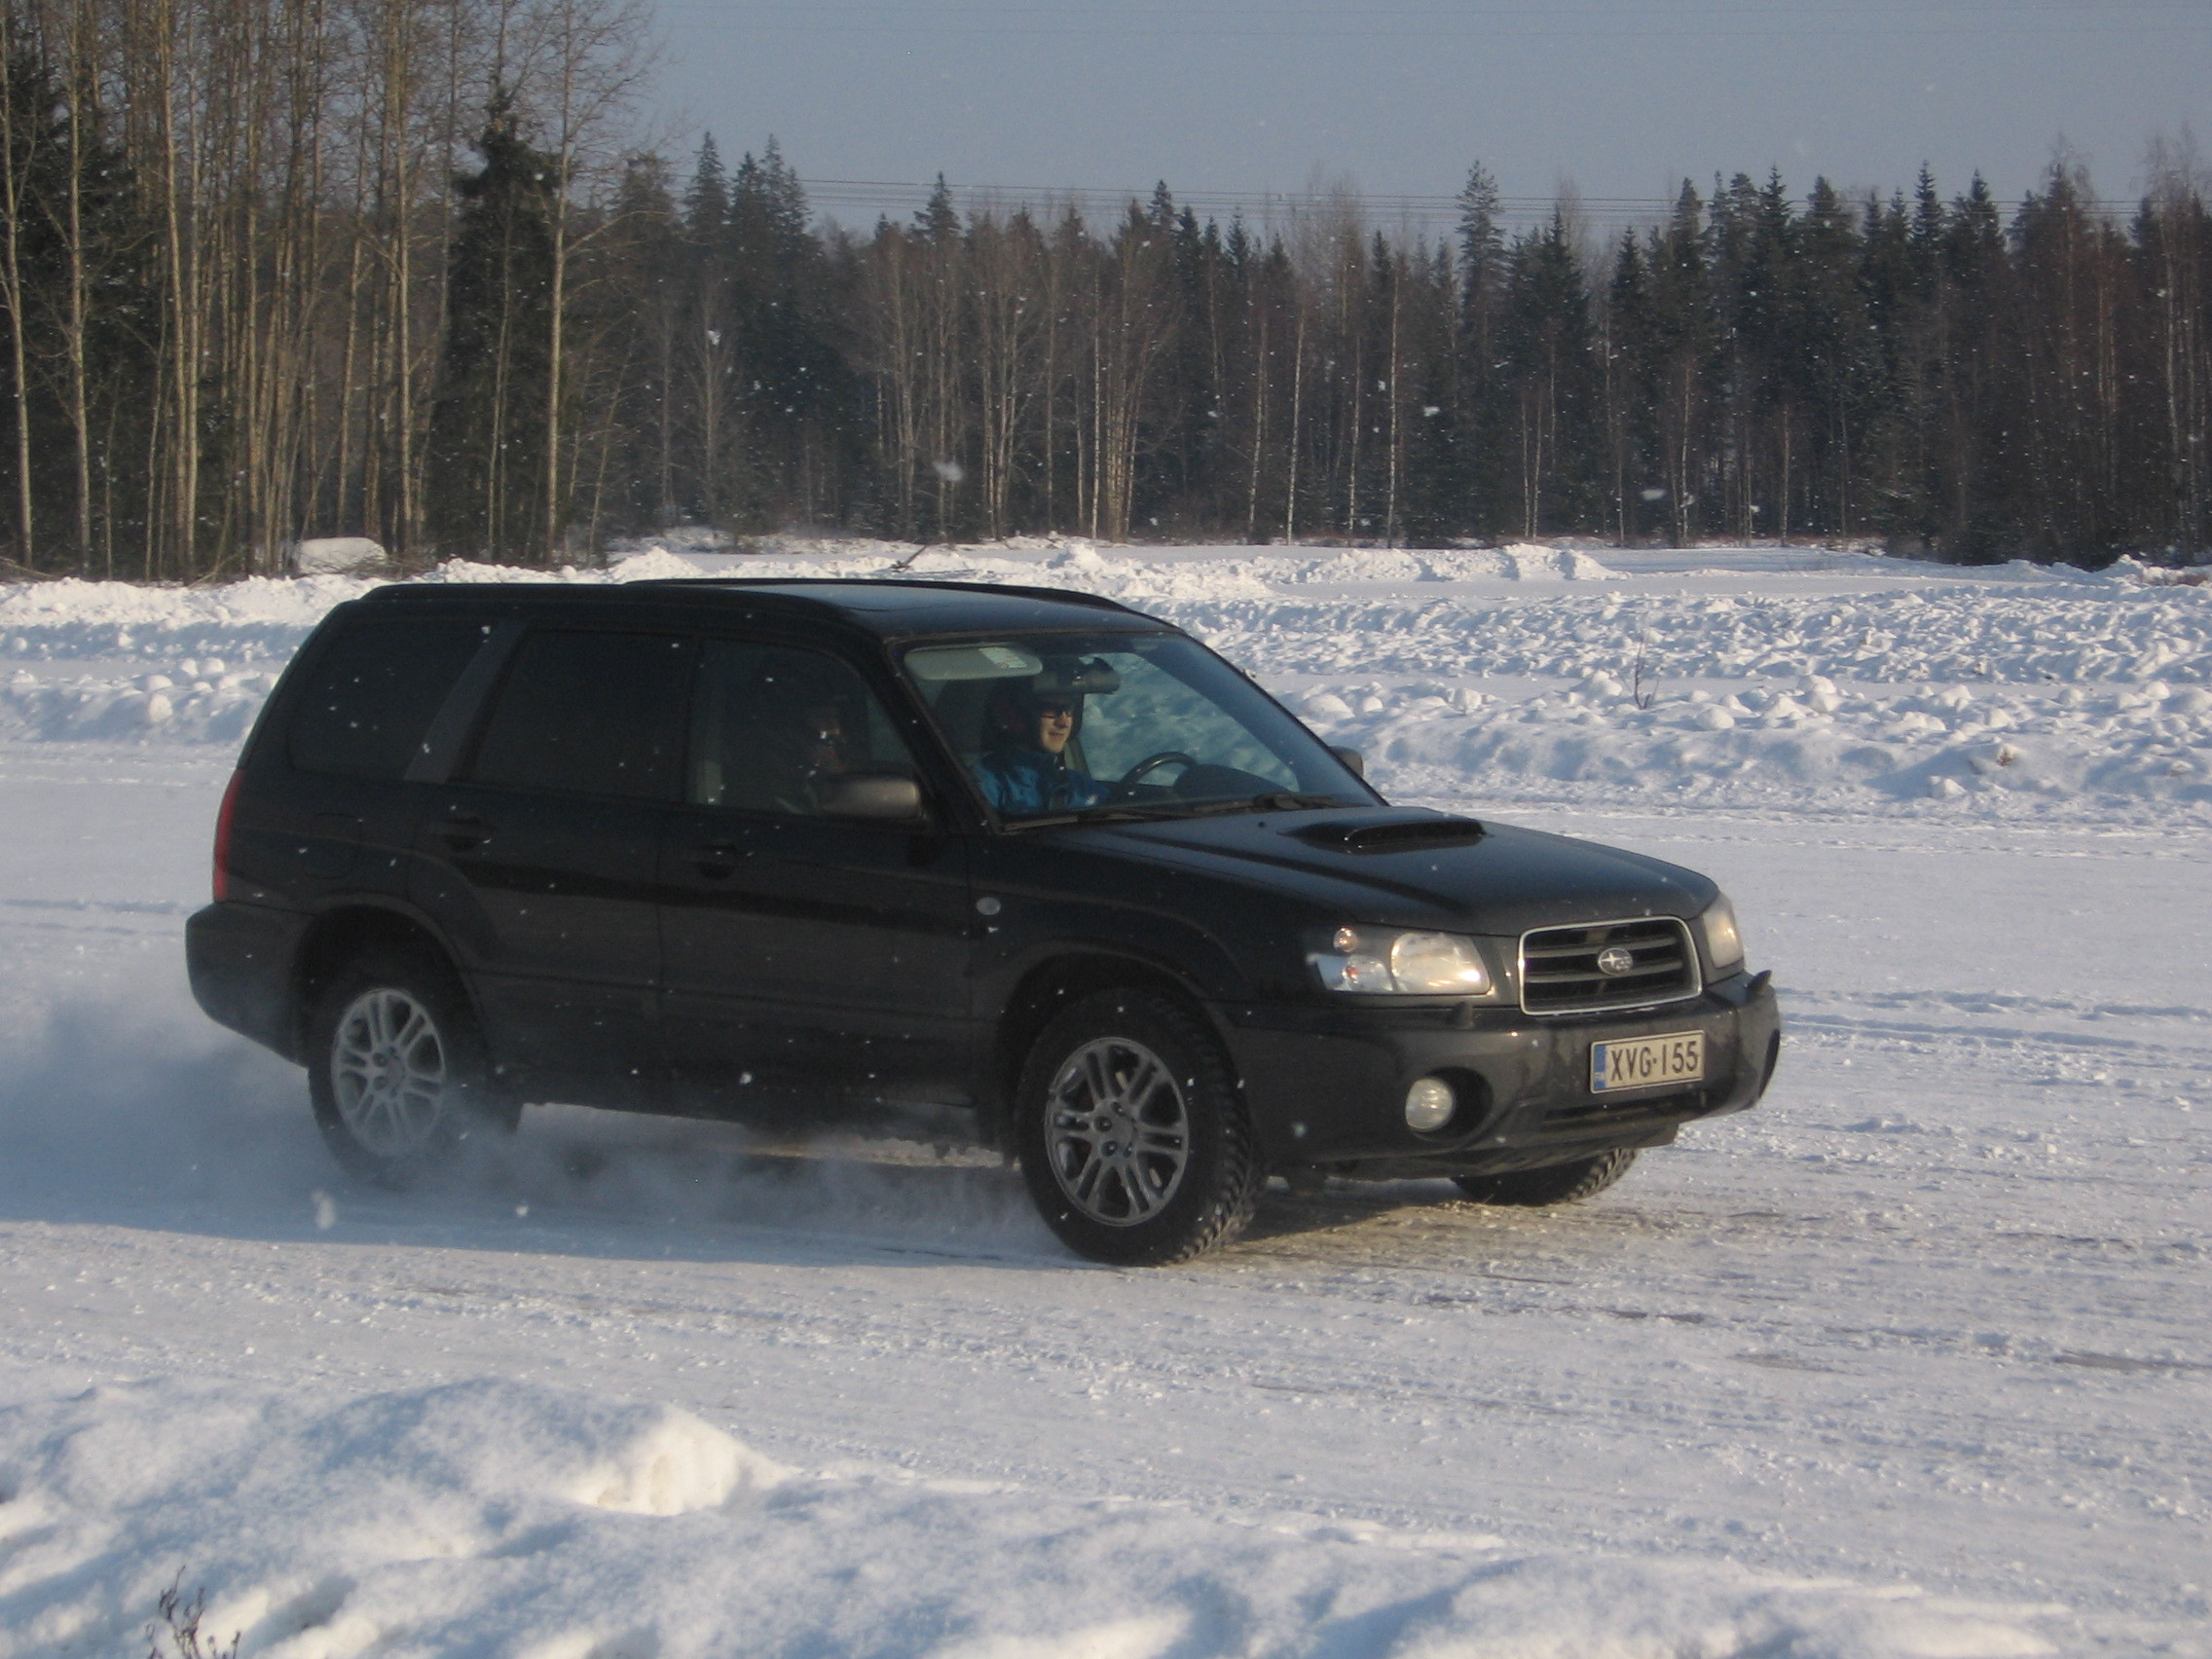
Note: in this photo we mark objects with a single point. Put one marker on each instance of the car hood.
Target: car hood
(1406, 866)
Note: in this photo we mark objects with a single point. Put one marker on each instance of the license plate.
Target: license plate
(1640, 1063)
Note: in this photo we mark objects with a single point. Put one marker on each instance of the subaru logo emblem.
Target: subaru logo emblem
(1613, 960)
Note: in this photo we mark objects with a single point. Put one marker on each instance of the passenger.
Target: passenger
(805, 753)
(1024, 770)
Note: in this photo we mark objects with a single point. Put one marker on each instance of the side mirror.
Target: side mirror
(877, 798)
(1354, 762)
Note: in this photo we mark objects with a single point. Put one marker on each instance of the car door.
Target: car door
(539, 857)
(806, 954)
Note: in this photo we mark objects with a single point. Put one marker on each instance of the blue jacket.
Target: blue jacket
(1029, 780)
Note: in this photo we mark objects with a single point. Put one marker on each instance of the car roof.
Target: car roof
(888, 607)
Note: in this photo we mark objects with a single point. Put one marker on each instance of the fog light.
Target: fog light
(1429, 1105)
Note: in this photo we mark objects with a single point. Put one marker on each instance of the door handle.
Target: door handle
(715, 860)
(463, 832)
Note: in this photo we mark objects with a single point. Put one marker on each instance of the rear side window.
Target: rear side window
(593, 714)
(373, 692)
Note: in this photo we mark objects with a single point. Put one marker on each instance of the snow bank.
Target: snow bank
(1189, 573)
(203, 659)
(71, 617)
(1523, 673)
(1807, 741)
(508, 1518)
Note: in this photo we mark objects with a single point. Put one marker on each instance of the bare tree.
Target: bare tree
(1004, 260)
(1134, 330)
(895, 352)
(579, 68)
(17, 136)
(2176, 240)
(73, 33)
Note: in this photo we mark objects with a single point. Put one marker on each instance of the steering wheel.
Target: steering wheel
(1127, 788)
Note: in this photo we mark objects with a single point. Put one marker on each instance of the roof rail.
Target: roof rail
(1069, 596)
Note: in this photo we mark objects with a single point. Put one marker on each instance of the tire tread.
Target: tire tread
(475, 1107)
(1238, 1179)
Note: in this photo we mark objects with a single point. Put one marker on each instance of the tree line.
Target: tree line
(402, 269)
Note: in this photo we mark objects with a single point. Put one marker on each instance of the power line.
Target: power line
(1269, 209)
(1763, 18)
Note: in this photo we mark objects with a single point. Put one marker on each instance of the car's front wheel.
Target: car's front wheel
(1554, 1184)
(395, 1067)
(1133, 1140)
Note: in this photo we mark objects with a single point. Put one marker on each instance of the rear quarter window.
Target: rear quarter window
(372, 692)
(589, 714)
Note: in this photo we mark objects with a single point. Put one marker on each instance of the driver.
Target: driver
(1025, 770)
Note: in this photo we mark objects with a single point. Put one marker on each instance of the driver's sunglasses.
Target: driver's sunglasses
(1050, 710)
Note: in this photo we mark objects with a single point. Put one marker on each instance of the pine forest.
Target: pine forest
(405, 269)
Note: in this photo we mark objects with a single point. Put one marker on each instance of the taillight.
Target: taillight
(223, 837)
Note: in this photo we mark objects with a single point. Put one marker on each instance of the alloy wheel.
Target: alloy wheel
(1118, 1131)
(388, 1072)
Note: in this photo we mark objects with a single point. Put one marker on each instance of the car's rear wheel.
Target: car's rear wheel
(395, 1067)
(1133, 1140)
(1554, 1184)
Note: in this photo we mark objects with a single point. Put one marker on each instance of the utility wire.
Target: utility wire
(1266, 209)
(1637, 18)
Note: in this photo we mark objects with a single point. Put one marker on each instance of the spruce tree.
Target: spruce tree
(1834, 365)
(1684, 346)
(1977, 418)
(705, 377)
(937, 223)
(1633, 380)
(793, 394)
(486, 442)
(2063, 465)
(1434, 507)
(1483, 413)
(1926, 237)
(632, 312)
(1900, 272)
(1545, 340)
(706, 198)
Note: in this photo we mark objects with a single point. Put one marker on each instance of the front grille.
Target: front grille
(1559, 972)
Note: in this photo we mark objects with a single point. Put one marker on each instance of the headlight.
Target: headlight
(1723, 945)
(1386, 962)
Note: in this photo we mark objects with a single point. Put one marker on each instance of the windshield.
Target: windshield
(1065, 726)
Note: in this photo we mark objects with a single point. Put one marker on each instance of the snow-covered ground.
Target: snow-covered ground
(1913, 1360)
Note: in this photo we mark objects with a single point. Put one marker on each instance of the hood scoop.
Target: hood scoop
(1391, 835)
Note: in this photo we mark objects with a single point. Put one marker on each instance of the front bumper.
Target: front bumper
(1327, 1085)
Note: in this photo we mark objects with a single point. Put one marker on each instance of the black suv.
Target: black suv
(780, 850)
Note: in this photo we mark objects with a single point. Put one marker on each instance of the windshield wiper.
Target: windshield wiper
(1272, 801)
(1098, 815)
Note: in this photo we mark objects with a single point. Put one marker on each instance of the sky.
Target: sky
(1233, 101)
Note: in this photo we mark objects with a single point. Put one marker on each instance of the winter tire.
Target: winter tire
(1134, 1138)
(1554, 1184)
(395, 1068)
